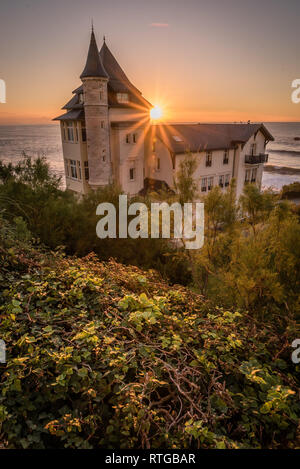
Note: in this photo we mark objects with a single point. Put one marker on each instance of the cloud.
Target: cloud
(159, 25)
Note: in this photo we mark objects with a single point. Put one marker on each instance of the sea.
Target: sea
(283, 165)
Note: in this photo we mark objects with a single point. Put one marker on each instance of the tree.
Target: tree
(185, 185)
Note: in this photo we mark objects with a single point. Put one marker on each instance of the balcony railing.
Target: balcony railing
(256, 159)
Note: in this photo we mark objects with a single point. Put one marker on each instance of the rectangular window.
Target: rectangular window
(70, 132)
(79, 169)
(132, 174)
(73, 169)
(128, 138)
(64, 131)
(102, 125)
(83, 133)
(122, 97)
(253, 149)
(157, 164)
(76, 132)
(101, 95)
(221, 181)
(203, 184)
(81, 98)
(153, 145)
(208, 158)
(67, 168)
(210, 183)
(227, 180)
(226, 157)
(86, 170)
(134, 138)
(247, 175)
(103, 155)
(254, 174)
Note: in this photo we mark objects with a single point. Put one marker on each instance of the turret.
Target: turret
(95, 79)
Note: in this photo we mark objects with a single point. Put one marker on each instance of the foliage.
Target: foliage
(103, 355)
(290, 191)
(185, 184)
(60, 218)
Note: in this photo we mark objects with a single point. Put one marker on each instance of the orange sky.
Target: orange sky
(201, 60)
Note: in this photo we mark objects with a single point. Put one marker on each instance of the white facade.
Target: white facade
(107, 137)
(134, 157)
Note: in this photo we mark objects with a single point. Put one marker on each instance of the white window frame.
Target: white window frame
(208, 159)
(254, 175)
(70, 131)
(73, 169)
(253, 149)
(86, 171)
(133, 169)
(122, 98)
(226, 157)
(210, 186)
(247, 175)
(83, 133)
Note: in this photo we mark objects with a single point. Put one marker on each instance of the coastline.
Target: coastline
(281, 169)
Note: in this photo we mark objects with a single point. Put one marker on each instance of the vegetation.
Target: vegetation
(101, 354)
(291, 191)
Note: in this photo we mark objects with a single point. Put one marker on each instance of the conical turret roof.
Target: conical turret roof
(93, 66)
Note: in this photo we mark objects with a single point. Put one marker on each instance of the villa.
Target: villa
(108, 136)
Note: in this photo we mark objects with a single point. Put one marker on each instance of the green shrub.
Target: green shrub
(103, 355)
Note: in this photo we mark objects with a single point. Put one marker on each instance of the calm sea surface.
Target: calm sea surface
(37, 140)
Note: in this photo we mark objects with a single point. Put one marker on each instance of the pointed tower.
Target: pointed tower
(95, 79)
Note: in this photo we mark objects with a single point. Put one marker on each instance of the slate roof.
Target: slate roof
(93, 66)
(180, 138)
(104, 64)
(71, 115)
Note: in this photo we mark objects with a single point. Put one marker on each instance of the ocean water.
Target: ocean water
(37, 140)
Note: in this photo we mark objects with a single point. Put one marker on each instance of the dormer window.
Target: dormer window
(122, 98)
(81, 98)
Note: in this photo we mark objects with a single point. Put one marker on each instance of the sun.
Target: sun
(156, 112)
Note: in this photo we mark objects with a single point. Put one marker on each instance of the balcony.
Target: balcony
(256, 159)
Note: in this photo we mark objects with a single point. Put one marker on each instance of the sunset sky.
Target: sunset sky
(201, 60)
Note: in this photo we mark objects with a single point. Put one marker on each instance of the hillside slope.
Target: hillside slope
(102, 355)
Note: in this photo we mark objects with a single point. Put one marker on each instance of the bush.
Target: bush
(103, 355)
